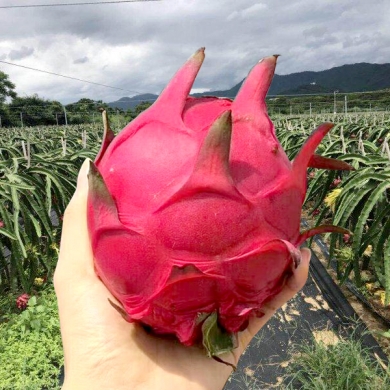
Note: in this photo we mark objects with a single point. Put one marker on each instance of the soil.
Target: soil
(373, 322)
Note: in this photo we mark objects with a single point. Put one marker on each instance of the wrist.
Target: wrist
(79, 381)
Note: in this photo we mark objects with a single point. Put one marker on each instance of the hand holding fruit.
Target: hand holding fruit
(103, 351)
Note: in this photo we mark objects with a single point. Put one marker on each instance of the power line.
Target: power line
(71, 4)
(95, 102)
(68, 77)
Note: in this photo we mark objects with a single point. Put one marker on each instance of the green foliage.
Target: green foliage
(315, 100)
(86, 111)
(141, 107)
(133, 113)
(7, 88)
(33, 111)
(363, 205)
(345, 365)
(39, 170)
(30, 344)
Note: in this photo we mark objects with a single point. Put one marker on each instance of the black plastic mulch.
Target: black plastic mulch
(319, 307)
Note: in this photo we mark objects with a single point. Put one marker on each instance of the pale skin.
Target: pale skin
(103, 351)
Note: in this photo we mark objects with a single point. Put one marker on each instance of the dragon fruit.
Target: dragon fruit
(194, 210)
(22, 301)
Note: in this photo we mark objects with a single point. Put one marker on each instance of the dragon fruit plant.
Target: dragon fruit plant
(194, 210)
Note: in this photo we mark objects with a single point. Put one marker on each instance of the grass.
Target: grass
(341, 365)
(30, 343)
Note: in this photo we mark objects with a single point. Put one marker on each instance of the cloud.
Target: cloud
(82, 60)
(315, 32)
(252, 11)
(139, 46)
(23, 52)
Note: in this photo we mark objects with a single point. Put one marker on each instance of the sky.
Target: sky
(137, 47)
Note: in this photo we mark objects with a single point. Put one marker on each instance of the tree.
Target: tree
(85, 110)
(35, 111)
(6, 88)
(141, 107)
(6, 91)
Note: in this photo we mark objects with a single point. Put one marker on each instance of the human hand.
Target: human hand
(103, 351)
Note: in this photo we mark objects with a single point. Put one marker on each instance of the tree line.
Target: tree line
(33, 110)
(330, 102)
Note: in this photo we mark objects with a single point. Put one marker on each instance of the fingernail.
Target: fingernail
(306, 254)
(82, 178)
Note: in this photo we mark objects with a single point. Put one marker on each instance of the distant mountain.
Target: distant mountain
(346, 78)
(360, 77)
(308, 89)
(131, 102)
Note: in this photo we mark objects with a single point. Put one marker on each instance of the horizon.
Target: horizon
(204, 90)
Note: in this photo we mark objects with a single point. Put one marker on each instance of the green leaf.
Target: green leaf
(348, 202)
(7, 233)
(12, 184)
(36, 324)
(21, 248)
(385, 334)
(37, 205)
(215, 339)
(386, 257)
(32, 301)
(378, 254)
(40, 308)
(48, 196)
(29, 220)
(324, 190)
(370, 203)
(375, 229)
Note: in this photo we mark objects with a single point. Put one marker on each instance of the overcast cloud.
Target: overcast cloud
(139, 46)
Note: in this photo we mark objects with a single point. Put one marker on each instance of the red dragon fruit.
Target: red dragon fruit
(22, 301)
(194, 209)
(335, 182)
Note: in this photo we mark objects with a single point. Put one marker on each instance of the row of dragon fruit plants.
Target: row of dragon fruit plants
(38, 169)
(358, 200)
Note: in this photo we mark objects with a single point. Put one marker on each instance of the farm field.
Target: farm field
(38, 170)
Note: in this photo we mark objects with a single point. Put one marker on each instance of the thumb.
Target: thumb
(75, 256)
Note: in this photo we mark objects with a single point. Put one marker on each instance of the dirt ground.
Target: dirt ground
(374, 323)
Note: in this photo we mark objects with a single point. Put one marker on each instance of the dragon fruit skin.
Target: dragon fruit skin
(194, 208)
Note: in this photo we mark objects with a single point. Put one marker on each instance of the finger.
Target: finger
(75, 251)
(293, 285)
(79, 197)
